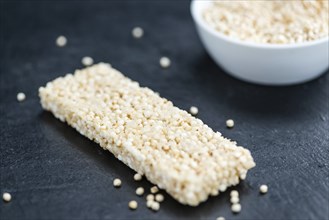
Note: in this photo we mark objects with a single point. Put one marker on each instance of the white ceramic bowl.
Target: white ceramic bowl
(267, 64)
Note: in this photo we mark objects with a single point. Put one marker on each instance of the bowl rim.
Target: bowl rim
(196, 14)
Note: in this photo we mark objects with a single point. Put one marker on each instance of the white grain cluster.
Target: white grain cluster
(173, 149)
(236, 206)
(273, 22)
(151, 203)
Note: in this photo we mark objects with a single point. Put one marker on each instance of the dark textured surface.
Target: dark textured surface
(53, 172)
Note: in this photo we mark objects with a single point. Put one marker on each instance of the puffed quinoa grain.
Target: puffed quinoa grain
(116, 182)
(234, 199)
(236, 208)
(154, 189)
(6, 197)
(263, 189)
(273, 22)
(140, 191)
(133, 204)
(137, 32)
(230, 123)
(194, 110)
(159, 197)
(21, 97)
(173, 149)
(87, 61)
(165, 62)
(234, 193)
(150, 197)
(137, 177)
(155, 206)
(61, 41)
(149, 203)
(220, 218)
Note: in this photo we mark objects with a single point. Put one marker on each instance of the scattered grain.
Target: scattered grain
(61, 41)
(150, 197)
(234, 193)
(194, 110)
(6, 197)
(117, 182)
(87, 61)
(140, 191)
(21, 97)
(165, 62)
(133, 204)
(137, 177)
(155, 206)
(154, 189)
(263, 189)
(137, 32)
(234, 199)
(159, 197)
(236, 208)
(230, 123)
(149, 203)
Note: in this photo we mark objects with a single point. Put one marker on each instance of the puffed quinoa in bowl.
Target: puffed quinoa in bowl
(265, 42)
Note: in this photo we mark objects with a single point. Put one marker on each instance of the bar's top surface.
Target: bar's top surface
(172, 148)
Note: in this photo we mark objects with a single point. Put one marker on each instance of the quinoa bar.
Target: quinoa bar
(173, 149)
